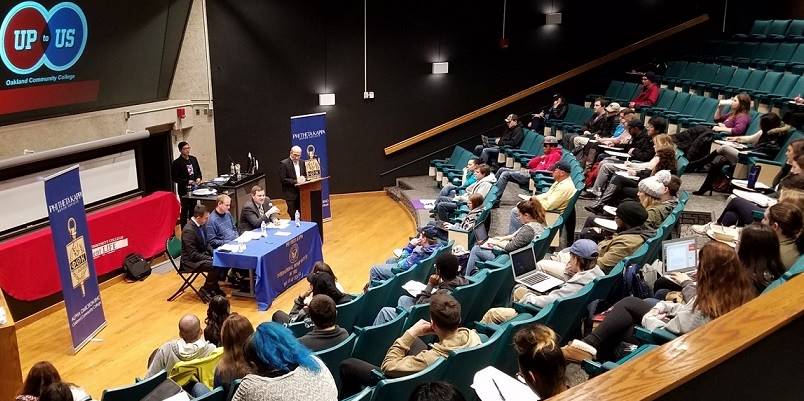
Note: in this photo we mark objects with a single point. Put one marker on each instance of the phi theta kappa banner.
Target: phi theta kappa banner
(68, 225)
(309, 132)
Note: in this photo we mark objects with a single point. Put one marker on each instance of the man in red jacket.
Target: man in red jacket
(649, 94)
(545, 162)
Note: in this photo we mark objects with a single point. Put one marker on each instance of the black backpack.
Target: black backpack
(136, 267)
(634, 283)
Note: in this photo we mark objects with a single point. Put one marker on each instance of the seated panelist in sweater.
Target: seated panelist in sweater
(220, 227)
(258, 210)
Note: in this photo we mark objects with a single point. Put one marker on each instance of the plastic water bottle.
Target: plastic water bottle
(264, 228)
(753, 175)
(298, 216)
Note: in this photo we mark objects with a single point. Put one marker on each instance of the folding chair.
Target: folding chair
(173, 251)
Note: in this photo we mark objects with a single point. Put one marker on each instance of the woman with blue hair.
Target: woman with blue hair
(283, 369)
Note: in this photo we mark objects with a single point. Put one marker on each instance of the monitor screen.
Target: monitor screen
(523, 260)
(680, 255)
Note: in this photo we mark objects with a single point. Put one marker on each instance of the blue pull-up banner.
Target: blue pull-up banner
(309, 132)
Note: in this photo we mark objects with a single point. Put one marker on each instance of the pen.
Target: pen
(498, 389)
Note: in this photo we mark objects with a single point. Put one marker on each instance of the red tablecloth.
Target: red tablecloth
(28, 263)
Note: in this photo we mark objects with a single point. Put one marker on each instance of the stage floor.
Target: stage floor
(364, 230)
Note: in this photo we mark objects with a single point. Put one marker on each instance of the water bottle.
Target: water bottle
(753, 175)
(231, 170)
(298, 216)
(264, 228)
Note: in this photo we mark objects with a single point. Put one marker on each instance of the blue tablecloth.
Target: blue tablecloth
(278, 261)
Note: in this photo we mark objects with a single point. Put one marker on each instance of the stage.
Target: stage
(364, 229)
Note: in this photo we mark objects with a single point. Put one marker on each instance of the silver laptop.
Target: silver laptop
(523, 261)
(679, 255)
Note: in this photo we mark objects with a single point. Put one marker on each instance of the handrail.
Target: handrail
(665, 368)
(545, 84)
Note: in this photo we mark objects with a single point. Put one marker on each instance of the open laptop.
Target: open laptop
(679, 255)
(523, 261)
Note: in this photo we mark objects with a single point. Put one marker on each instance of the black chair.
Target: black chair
(173, 251)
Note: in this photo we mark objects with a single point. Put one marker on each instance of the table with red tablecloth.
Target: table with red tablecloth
(28, 269)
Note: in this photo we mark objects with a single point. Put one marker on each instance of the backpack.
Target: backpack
(634, 283)
(136, 267)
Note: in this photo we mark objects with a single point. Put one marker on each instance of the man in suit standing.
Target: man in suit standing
(196, 254)
(256, 211)
(292, 172)
(185, 173)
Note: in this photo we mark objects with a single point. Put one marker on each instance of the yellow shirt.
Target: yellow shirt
(557, 196)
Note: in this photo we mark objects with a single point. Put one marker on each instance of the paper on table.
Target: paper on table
(744, 184)
(181, 396)
(759, 199)
(249, 236)
(228, 247)
(606, 223)
(625, 174)
(282, 233)
(610, 210)
(618, 154)
(414, 288)
(510, 388)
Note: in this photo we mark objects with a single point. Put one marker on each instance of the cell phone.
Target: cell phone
(224, 251)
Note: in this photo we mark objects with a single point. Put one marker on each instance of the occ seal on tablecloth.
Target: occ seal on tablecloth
(293, 255)
(77, 257)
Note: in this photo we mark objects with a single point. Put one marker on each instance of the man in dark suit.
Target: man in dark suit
(292, 172)
(196, 254)
(256, 211)
(185, 172)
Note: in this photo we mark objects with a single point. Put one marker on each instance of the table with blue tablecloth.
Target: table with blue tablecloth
(278, 261)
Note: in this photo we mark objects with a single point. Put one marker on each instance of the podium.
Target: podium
(310, 207)
(10, 369)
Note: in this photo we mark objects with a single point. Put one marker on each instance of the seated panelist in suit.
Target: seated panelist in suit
(256, 211)
(196, 252)
(292, 172)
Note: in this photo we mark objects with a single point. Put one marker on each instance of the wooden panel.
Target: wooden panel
(545, 85)
(10, 372)
(667, 367)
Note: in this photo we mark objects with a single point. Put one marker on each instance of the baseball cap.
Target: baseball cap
(584, 248)
(613, 107)
(550, 139)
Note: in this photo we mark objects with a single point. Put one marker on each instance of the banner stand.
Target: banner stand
(309, 132)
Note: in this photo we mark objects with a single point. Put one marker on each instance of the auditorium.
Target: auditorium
(401, 201)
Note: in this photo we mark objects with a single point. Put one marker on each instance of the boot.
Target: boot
(697, 164)
(706, 186)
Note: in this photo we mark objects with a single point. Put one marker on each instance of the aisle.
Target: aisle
(364, 230)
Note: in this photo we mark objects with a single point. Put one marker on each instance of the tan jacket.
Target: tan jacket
(789, 252)
(621, 245)
(397, 363)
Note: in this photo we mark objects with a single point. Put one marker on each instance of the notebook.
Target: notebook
(523, 263)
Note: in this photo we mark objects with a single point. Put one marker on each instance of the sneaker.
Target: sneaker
(701, 229)
(589, 194)
(578, 351)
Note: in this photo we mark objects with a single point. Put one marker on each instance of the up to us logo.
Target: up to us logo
(33, 36)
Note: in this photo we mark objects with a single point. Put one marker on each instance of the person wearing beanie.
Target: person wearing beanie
(655, 197)
(581, 269)
(648, 94)
(631, 234)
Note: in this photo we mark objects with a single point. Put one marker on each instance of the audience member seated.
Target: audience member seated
(580, 270)
(283, 369)
(418, 249)
(723, 284)
(602, 127)
(445, 280)
(409, 354)
(648, 94)
(785, 218)
(196, 254)
(545, 162)
(641, 149)
(555, 199)
(597, 124)
(695, 141)
(58, 391)
(257, 211)
(620, 136)
(768, 140)
(217, 312)
(467, 224)
(41, 376)
(445, 206)
(541, 362)
(556, 111)
(532, 216)
(758, 250)
(512, 136)
(468, 178)
(190, 345)
(320, 283)
(326, 334)
(235, 333)
(436, 391)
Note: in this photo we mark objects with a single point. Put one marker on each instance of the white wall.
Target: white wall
(190, 84)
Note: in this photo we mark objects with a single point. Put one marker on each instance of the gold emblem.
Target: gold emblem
(313, 164)
(77, 257)
(293, 255)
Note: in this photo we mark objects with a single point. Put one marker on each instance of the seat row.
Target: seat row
(776, 29)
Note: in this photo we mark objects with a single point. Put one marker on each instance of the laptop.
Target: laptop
(523, 262)
(679, 255)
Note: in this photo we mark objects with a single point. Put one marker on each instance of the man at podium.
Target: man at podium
(292, 172)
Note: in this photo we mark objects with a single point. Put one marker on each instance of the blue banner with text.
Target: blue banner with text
(309, 132)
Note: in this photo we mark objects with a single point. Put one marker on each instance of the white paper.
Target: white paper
(759, 199)
(610, 210)
(744, 184)
(524, 197)
(228, 247)
(618, 154)
(606, 223)
(249, 236)
(429, 204)
(510, 388)
(414, 288)
(182, 396)
(282, 233)
(398, 252)
(625, 174)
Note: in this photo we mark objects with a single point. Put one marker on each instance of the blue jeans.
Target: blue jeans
(383, 271)
(389, 313)
(505, 174)
(449, 190)
(477, 254)
(487, 155)
(514, 223)
(444, 210)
